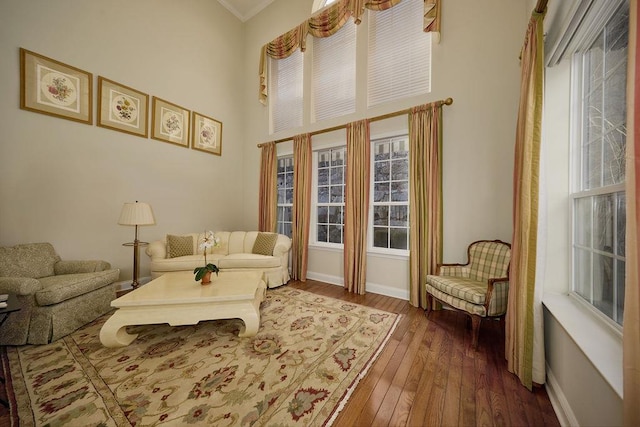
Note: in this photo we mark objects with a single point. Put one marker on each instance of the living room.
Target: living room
(65, 182)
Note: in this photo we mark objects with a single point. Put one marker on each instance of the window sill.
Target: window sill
(599, 343)
(374, 253)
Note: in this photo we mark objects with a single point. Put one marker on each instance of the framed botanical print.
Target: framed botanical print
(170, 122)
(122, 108)
(207, 134)
(50, 87)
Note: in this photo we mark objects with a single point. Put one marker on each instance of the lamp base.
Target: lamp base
(136, 245)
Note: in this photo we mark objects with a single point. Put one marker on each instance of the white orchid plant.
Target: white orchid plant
(209, 240)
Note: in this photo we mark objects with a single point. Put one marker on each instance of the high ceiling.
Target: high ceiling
(245, 9)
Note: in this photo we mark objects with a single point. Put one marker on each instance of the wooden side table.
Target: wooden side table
(12, 305)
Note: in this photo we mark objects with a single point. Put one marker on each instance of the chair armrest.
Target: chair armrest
(281, 250)
(497, 296)
(85, 266)
(456, 270)
(157, 249)
(282, 246)
(19, 285)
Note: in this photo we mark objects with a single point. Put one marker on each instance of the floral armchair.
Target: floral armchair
(56, 297)
(479, 288)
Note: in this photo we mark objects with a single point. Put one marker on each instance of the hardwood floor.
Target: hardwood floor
(428, 375)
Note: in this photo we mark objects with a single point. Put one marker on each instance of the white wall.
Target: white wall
(476, 63)
(65, 182)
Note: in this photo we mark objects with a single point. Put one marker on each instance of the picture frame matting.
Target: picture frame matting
(51, 87)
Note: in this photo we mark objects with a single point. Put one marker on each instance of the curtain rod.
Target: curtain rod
(541, 6)
(447, 101)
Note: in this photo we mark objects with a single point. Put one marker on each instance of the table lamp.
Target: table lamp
(136, 214)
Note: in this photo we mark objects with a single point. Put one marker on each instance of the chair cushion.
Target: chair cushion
(459, 287)
(179, 246)
(248, 261)
(56, 289)
(183, 263)
(458, 303)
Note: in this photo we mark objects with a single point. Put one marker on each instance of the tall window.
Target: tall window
(399, 60)
(285, 83)
(285, 195)
(330, 166)
(598, 195)
(390, 210)
(394, 60)
(333, 74)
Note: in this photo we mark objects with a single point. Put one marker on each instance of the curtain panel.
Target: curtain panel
(302, 156)
(519, 340)
(425, 193)
(326, 23)
(631, 321)
(268, 196)
(356, 206)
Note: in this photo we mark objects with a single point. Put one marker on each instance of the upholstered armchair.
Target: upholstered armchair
(56, 297)
(479, 288)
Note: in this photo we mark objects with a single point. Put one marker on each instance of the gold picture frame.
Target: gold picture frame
(170, 122)
(206, 134)
(51, 87)
(122, 108)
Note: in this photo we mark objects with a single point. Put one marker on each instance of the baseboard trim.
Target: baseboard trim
(374, 288)
(560, 404)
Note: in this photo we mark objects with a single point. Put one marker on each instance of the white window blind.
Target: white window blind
(399, 53)
(334, 73)
(286, 92)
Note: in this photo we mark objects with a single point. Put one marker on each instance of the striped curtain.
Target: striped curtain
(301, 205)
(425, 194)
(356, 206)
(520, 309)
(631, 321)
(268, 197)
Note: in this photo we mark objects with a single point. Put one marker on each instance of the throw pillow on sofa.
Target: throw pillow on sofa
(179, 246)
(264, 244)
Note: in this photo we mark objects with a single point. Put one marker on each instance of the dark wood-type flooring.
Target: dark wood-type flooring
(428, 375)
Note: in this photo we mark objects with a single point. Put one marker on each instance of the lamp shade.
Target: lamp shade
(138, 213)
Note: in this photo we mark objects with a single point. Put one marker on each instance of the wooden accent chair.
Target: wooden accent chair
(479, 288)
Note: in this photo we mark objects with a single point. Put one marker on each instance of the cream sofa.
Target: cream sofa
(234, 253)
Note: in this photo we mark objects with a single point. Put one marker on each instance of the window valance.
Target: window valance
(326, 23)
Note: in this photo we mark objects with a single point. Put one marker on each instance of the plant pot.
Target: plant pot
(206, 279)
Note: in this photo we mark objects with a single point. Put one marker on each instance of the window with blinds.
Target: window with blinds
(286, 98)
(334, 74)
(399, 53)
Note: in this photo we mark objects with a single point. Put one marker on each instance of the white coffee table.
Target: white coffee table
(177, 299)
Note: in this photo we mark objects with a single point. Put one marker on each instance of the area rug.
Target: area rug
(300, 369)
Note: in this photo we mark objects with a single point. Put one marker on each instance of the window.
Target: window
(390, 190)
(330, 176)
(285, 83)
(285, 195)
(399, 53)
(319, 4)
(347, 74)
(334, 73)
(598, 197)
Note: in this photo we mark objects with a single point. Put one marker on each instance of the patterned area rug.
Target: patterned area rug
(300, 369)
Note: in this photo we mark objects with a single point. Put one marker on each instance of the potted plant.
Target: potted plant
(209, 240)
